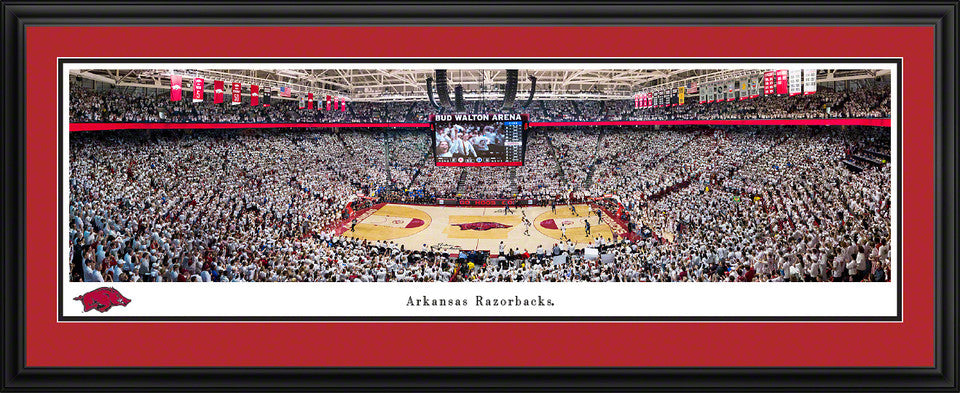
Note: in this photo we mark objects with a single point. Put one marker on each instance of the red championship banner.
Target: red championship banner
(343, 105)
(175, 88)
(217, 92)
(782, 82)
(198, 90)
(236, 94)
(329, 102)
(769, 83)
(254, 95)
(309, 100)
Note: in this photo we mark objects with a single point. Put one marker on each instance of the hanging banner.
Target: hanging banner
(795, 81)
(309, 100)
(809, 81)
(236, 94)
(302, 102)
(329, 102)
(197, 89)
(266, 97)
(343, 105)
(175, 88)
(254, 95)
(217, 92)
(782, 82)
(769, 83)
(682, 91)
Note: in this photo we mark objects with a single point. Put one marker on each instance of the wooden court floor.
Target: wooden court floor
(480, 228)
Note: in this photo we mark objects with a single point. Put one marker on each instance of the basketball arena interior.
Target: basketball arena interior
(512, 175)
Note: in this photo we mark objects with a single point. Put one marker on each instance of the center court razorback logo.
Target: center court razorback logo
(102, 299)
(481, 226)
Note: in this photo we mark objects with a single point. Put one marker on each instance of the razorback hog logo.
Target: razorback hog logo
(102, 299)
(481, 226)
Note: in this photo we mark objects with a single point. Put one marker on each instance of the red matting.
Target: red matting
(909, 343)
(769, 122)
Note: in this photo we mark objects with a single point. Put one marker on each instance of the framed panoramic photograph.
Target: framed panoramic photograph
(513, 197)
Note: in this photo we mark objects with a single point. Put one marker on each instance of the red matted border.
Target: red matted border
(910, 343)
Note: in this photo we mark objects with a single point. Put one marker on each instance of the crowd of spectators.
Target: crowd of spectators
(701, 204)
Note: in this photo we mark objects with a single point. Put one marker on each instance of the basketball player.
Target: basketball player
(573, 209)
(586, 226)
(526, 229)
(563, 231)
(553, 206)
(353, 225)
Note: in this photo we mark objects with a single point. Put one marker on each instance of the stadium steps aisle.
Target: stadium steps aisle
(588, 181)
(576, 108)
(556, 157)
(346, 147)
(409, 115)
(461, 180)
(388, 154)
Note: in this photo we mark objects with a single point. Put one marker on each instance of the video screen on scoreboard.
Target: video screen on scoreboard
(479, 140)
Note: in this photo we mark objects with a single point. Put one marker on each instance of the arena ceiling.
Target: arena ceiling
(410, 84)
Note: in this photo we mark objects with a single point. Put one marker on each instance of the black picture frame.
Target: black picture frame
(941, 15)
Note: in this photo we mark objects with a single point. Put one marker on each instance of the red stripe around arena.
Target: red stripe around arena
(760, 122)
(195, 126)
(512, 163)
(767, 122)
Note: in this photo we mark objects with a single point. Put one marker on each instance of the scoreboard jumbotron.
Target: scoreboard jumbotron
(479, 139)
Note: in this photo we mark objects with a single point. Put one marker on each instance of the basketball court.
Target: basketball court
(479, 228)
